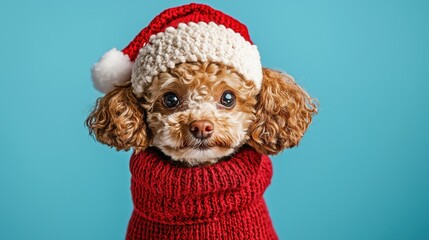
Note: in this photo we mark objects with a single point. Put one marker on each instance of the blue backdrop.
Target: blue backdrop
(360, 172)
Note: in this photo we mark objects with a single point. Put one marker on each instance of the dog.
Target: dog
(190, 97)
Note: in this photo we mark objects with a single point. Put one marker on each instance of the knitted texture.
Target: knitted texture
(188, 33)
(196, 42)
(220, 201)
(172, 17)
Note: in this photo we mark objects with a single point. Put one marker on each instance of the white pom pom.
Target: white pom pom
(114, 68)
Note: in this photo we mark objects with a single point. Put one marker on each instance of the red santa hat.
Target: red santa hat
(188, 33)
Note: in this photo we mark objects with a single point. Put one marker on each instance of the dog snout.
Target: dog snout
(201, 129)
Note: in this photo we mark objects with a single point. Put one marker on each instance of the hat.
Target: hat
(188, 33)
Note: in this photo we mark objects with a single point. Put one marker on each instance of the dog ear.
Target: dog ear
(119, 121)
(283, 112)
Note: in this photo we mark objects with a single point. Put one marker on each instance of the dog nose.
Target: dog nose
(201, 129)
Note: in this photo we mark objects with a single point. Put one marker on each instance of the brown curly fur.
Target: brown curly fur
(118, 120)
(270, 121)
(284, 112)
(199, 86)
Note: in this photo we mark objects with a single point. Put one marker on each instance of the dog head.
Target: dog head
(191, 84)
(199, 113)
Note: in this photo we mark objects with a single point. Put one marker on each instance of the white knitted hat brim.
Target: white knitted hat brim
(196, 42)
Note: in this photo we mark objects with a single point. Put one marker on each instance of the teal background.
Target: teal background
(360, 172)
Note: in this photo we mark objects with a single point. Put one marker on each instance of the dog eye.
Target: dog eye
(170, 100)
(227, 99)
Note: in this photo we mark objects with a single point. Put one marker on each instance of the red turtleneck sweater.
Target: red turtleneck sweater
(219, 201)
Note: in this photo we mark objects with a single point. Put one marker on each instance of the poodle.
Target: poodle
(190, 97)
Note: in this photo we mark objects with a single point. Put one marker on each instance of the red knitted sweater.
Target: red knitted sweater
(220, 201)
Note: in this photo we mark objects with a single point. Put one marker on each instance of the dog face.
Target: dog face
(198, 113)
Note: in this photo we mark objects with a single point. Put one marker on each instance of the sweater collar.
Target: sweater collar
(163, 176)
(165, 192)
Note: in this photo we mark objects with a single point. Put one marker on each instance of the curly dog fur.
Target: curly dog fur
(269, 121)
